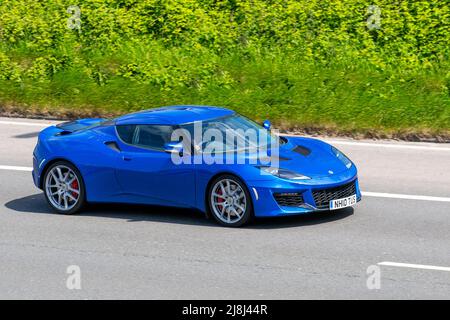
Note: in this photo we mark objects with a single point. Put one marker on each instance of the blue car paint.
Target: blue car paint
(137, 175)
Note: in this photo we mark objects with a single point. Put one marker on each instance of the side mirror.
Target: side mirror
(174, 147)
(267, 124)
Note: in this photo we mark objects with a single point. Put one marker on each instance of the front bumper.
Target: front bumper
(266, 205)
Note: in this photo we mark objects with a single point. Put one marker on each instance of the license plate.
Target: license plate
(342, 203)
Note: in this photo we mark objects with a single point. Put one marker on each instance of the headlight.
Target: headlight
(346, 161)
(284, 174)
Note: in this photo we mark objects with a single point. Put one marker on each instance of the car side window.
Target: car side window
(126, 133)
(146, 136)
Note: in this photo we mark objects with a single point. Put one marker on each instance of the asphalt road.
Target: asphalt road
(153, 253)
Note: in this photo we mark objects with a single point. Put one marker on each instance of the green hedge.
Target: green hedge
(312, 63)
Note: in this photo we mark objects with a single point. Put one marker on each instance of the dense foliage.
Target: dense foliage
(320, 63)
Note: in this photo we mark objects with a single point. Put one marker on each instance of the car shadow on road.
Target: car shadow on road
(36, 204)
(27, 135)
(301, 220)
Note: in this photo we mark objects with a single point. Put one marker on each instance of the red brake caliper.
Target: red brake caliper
(219, 200)
(74, 185)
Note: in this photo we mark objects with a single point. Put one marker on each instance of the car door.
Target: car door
(146, 172)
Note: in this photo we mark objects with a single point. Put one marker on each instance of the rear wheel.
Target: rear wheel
(64, 188)
(229, 201)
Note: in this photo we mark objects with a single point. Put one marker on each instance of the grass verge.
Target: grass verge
(339, 97)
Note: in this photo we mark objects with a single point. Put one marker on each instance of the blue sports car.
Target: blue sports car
(208, 158)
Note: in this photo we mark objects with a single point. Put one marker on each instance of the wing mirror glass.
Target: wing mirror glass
(267, 124)
(174, 147)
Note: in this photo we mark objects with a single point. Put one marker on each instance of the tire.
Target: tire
(64, 188)
(237, 207)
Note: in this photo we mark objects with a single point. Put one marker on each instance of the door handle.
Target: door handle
(125, 158)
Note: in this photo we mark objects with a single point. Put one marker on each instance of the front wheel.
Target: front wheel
(229, 201)
(64, 188)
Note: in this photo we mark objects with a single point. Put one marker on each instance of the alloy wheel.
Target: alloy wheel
(228, 201)
(63, 188)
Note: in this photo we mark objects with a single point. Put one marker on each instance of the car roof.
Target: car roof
(174, 115)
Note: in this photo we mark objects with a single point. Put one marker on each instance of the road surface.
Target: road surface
(401, 229)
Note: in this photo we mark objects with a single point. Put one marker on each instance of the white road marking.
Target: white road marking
(388, 145)
(15, 168)
(404, 196)
(414, 266)
(32, 124)
(405, 145)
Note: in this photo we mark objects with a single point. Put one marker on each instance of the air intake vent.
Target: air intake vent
(302, 150)
(63, 133)
(289, 199)
(71, 126)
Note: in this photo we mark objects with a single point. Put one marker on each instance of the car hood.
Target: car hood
(307, 156)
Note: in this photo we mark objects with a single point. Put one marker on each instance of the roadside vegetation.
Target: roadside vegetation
(318, 65)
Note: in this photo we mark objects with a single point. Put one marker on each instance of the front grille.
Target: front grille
(322, 198)
(289, 199)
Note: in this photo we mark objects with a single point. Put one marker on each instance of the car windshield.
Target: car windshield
(234, 133)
